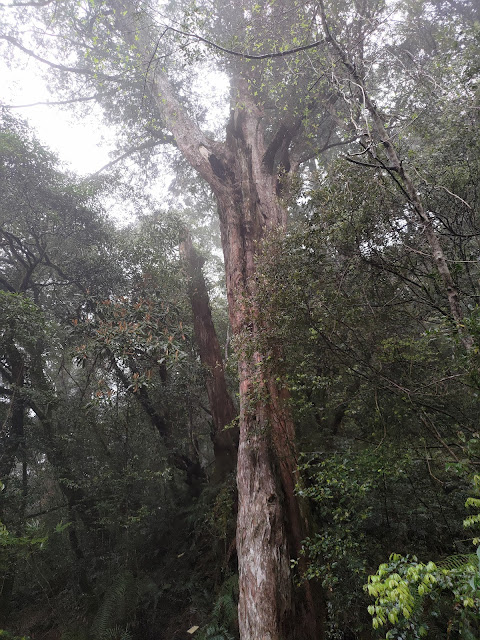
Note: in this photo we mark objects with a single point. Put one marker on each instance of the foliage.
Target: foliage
(405, 589)
(118, 601)
(95, 323)
(223, 619)
(383, 395)
(105, 419)
(18, 545)
(6, 635)
(415, 599)
(212, 632)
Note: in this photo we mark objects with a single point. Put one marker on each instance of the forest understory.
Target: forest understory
(253, 412)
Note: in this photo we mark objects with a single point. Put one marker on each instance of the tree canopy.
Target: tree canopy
(285, 454)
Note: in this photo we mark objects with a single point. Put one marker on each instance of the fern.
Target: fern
(114, 608)
(213, 632)
(117, 633)
(225, 609)
(457, 562)
(474, 519)
(224, 614)
(75, 634)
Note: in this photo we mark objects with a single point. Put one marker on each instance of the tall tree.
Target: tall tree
(49, 235)
(283, 111)
(376, 126)
(245, 172)
(75, 356)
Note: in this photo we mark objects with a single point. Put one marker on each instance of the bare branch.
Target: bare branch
(146, 145)
(40, 3)
(248, 56)
(51, 103)
(372, 166)
(45, 511)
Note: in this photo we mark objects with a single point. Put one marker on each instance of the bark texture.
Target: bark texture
(243, 175)
(270, 527)
(225, 441)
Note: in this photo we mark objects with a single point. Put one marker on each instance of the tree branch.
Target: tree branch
(198, 148)
(7, 285)
(54, 65)
(50, 103)
(248, 56)
(367, 164)
(145, 145)
(45, 511)
(6, 392)
(40, 3)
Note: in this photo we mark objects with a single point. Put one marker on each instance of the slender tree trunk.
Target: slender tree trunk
(187, 464)
(11, 446)
(381, 135)
(225, 441)
(6, 592)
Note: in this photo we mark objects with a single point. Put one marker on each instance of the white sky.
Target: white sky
(83, 144)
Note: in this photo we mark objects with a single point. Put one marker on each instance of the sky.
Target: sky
(86, 145)
(83, 144)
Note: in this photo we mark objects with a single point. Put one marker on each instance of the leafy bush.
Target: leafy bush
(414, 599)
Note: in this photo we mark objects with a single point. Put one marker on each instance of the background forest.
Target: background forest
(125, 353)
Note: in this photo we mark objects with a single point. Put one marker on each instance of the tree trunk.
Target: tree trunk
(10, 446)
(242, 173)
(270, 527)
(381, 134)
(225, 441)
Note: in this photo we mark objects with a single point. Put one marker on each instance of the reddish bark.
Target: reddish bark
(270, 527)
(225, 441)
(243, 175)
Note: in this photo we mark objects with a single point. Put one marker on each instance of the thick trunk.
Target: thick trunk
(242, 173)
(270, 527)
(270, 524)
(225, 441)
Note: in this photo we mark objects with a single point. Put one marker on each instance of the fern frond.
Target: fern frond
(457, 562)
(225, 610)
(117, 633)
(213, 632)
(113, 609)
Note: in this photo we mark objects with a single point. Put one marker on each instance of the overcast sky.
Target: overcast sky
(83, 144)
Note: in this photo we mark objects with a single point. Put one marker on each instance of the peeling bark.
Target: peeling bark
(242, 173)
(270, 527)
